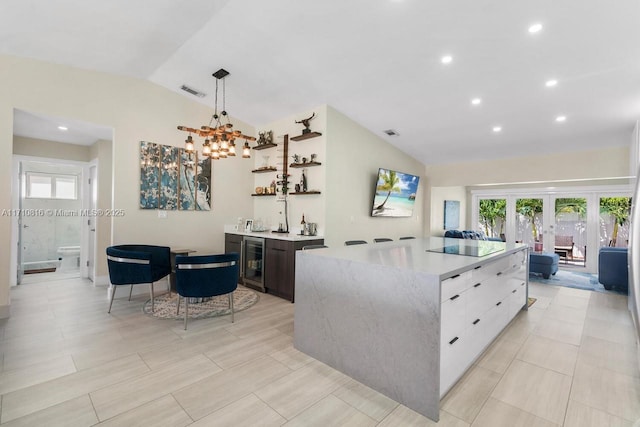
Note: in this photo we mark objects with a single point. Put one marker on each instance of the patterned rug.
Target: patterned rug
(165, 306)
(576, 280)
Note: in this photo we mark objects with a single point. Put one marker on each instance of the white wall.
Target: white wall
(269, 209)
(438, 196)
(353, 157)
(101, 153)
(137, 110)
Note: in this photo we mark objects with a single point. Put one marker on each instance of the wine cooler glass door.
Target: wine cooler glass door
(254, 262)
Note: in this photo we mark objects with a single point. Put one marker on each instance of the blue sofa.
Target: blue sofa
(613, 268)
(469, 234)
(544, 263)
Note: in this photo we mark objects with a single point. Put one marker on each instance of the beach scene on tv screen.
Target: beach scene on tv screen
(395, 194)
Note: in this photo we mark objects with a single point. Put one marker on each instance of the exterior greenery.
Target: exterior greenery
(529, 208)
(620, 209)
(490, 212)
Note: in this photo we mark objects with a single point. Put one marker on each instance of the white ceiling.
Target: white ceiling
(377, 61)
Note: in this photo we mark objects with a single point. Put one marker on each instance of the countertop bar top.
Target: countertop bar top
(413, 254)
(277, 236)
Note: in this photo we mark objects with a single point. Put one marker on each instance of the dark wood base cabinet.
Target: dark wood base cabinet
(280, 266)
(279, 262)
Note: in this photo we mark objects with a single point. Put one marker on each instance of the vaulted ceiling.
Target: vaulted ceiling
(377, 61)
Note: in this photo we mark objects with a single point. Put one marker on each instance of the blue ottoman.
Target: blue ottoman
(543, 263)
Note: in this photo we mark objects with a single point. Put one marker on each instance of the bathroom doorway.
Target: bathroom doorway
(59, 164)
(51, 217)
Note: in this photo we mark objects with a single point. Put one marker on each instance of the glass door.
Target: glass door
(530, 222)
(571, 230)
(492, 217)
(614, 221)
(253, 262)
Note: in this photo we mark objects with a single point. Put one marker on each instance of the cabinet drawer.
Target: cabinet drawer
(496, 319)
(480, 298)
(452, 316)
(517, 300)
(453, 356)
(489, 270)
(454, 285)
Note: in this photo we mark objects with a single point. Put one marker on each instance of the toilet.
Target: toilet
(69, 257)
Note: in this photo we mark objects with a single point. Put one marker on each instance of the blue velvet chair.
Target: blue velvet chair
(137, 264)
(613, 268)
(206, 276)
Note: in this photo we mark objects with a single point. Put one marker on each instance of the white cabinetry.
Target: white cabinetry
(475, 307)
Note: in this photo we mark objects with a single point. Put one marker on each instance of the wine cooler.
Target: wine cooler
(253, 263)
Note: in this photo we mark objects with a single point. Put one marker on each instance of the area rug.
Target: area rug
(530, 301)
(574, 279)
(165, 306)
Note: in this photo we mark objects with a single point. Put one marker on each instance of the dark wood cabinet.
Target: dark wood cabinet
(279, 262)
(280, 266)
(233, 243)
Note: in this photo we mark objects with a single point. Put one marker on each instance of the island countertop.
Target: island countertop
(277, 236)
(414, 254)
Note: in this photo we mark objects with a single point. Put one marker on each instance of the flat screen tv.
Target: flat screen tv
(395, 194)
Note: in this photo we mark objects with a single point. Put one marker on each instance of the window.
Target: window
(51, 186)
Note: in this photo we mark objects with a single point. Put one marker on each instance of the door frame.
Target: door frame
(549, 194)
(16, 195)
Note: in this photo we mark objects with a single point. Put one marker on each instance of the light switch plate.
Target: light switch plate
(162, 214)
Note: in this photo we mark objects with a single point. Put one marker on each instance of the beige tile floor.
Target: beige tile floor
(569, 361)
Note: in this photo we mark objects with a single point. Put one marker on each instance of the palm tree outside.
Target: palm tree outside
(619, 208)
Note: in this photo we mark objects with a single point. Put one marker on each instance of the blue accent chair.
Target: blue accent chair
(206, 276)
(543, 263)
(613, 268)
(137, 264)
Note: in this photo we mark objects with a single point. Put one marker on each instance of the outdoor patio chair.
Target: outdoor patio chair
(564, 247)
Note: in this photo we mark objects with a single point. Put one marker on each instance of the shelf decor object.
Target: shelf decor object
(219, 137)
(306, 132)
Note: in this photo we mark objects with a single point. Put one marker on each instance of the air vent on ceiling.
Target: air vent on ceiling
(192, 91)
(391, 132)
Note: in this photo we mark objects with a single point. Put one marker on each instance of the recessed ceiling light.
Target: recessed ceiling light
(63, 128)
(561, 119)
(535, 28)
(446, 59)
(497, 129)
(476, 101)
(551, 83)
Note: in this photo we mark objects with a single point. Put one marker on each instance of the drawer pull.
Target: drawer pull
(453, 277)
(477, 284)
(514, 291)
(522, 284)
(498, 303)
(455, 297)
(475, 322)
(453, 340)
(499, 273)
(475, 268)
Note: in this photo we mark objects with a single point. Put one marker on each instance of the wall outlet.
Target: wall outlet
(162, 214)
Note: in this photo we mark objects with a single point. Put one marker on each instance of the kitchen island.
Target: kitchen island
(407, 318)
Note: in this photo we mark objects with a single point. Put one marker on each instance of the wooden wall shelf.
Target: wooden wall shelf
(300, 193)
(304, 165)
(305, 136)
(264, 146)
(265, 170)
(262, 195)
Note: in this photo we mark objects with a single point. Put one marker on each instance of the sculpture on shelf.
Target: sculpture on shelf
(305, 123)
(303, 181)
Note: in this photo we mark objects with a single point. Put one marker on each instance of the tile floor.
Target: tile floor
(569, 361)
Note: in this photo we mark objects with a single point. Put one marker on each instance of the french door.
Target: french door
(572, 223)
